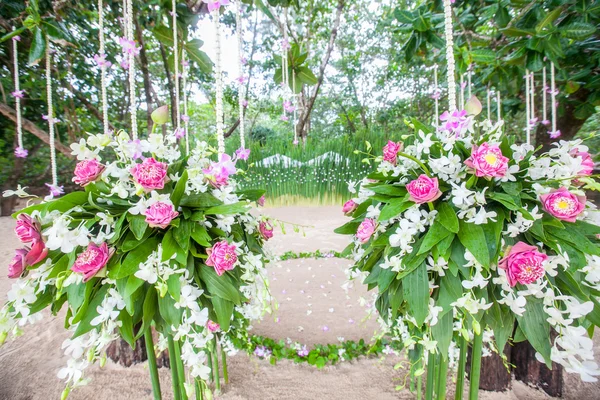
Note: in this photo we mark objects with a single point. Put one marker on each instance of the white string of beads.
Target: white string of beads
(17, 94)
(219, 83)
(176, 65)
(436, 93)
(489, 111)
(132, 97)
(102, 67)
(241, 87)
(498, 106)
(50, 115)
(185, 108)
(544, 99)
(450, 55)
(553, 97)
(527, 108)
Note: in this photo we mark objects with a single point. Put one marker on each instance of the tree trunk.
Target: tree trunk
(494, 375)
(529, 370)
(120, 352)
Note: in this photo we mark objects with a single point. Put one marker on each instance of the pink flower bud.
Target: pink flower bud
(366, 230)
(423, 189)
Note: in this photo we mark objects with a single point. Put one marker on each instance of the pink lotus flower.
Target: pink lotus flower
(27, 229)
(266, 230)
(456, 123)
(587, 164)
(92, 260)
(17, 265)
(87, 171)
(37, 253)
(215, 4)
(523, 264)
(150, 174)
(160, 215)
(219, 172)
(391, 150)
(563, 204)
(18, 94)
(242, 154)
(366, 230)
(423, 189)
(222, 257)
(261, 201)
(349, 207)
(20, 152)
(487, 161)
(212, 326)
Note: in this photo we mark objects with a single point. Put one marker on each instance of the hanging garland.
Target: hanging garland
(133, 50)
(185, 118)
(448, 29)
(55, 190)
(527, 107)
(103, 64)
(241, 77)
(219, 82)
(178, 132)
(18, 94)
(554, 133)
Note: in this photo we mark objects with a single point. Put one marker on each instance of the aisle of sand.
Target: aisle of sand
(28, 365)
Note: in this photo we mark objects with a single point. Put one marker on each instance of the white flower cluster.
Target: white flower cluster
(413, 221)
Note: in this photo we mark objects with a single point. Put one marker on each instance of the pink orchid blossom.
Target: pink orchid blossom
(222, 257)
(55, 190)
(129, 46)
(218, 173)
(215, 4)
(266, 230)
(554, 134)
(21, 152)
(16, 38)
(19, 94)
(17, 265)
(587, 163)
(457, 123)
(213, 326)
(523, 264)
(288, 106)
(242, 154)
(101, 61)
(185, 118)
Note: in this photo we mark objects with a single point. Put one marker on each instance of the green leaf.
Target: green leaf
(251, 194)
(450, 290)
(171, 247)
(435, 234)
(133, 259)
(577, 30)
(200, 200)
(535, 327)
(447, 217)
(164, 35)
(395, 207)
(200, 58)
(91, 312)
(471, 235)
(182, 234)
(200, 235)
(137, 225)
(224, 310)
(442, 333)
(396, 296)
(306, 76)
(548, 19)
(148, 310)
(38, 46)
(228, 209)
(416, 293)
(389, 190)
(483, 56)
(166, 307)
(221, 286)
(349, 228)
(504, 199)
(515, 32)
(174, 286)
(403, 16)
(179, 189)
(126, 328)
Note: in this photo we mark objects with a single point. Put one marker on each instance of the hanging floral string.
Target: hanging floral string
(285, 79)
(534, 119)
(469, 78)
(178, 132)
(294, 107)
(101, 61)
(498, 106)
(436, 92)
(462, 92)
(185, 117)
(527, 108)
(544, 97)
(489, 111)
(132, 50)
(450, 54)
(241, 77)
(219, 83)
(554, 133)
(55, 190)
(18, 94)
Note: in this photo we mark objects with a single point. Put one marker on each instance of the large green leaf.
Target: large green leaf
(577, 30)
(395, 207)
(306, 76)
(130, 264)
(435, 234)
(535, 327)
(91, 312)
(442, 333)
(38, 46)
(221, 286)
(416, 293)
(164, 34)
(179, 189)
(199, 57)
(473, 238)
(483, 56)
(228, 209)
(548, 19)
(224, 310)
(447, 217)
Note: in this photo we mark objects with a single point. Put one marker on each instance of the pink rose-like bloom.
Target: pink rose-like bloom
(87, 171)
(92, 260)
(27, 229)
(587, 164)
(349, 207)
(456, 123)
(160, 215)
(487, 161)
(266, 230)
(219, 172)
(20, 152)
(562, 204)
(242, 154)
(261, 201)
(523, 264)
(212, 326)
(390, 151)
(37, 253)
(366, 230)
(423, 189)
(222, 257)
(17, 264)
(150, 174)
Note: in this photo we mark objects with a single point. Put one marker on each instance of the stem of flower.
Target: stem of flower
(173, 364)
(224, 362)
(430, 376)
(475, 366)
(215, 363)
(460, 374)
(180, 371)
(199, 390)
(423, 167)
(419, 384)
(442, 374)
(152, 363)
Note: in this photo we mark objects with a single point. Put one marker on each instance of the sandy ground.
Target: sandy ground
(313, 309)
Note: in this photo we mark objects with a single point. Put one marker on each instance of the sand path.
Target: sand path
(30, 363)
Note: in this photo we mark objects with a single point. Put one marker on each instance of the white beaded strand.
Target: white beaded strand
(462, 92)
(176, 66)
(102, 54)
(450, 55)
(219, 83)
(489, 111)
(498, 106)
(185, 108)
(544, 99)
(469, 77)
(132, 97)
(241, 86)
(532, 99)
(436, 94)
(553, 97)
(50, 116)
(17, 94)
(527, 108)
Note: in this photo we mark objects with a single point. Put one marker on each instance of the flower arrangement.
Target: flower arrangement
(154, 239)
(469, 237)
